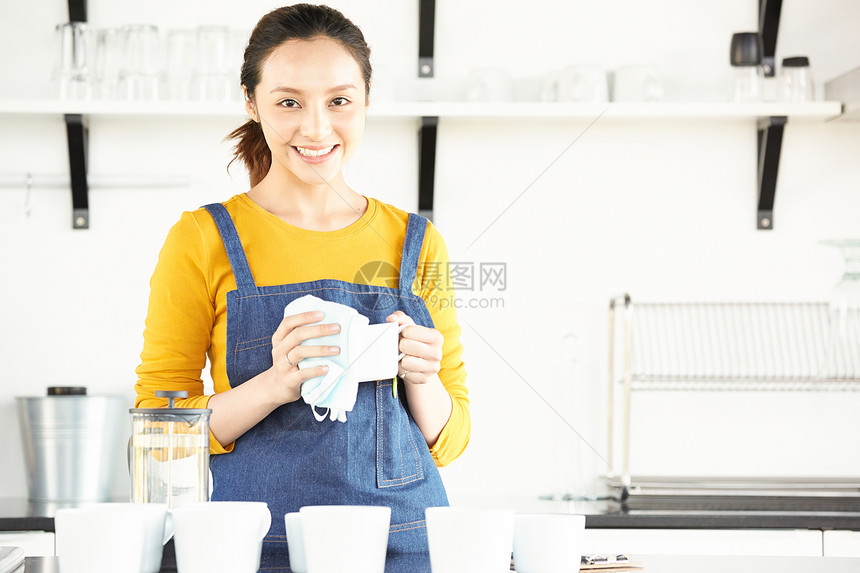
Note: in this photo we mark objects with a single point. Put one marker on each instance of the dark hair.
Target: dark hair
(296, 22)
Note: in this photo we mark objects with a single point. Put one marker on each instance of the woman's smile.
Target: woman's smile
(316, 155)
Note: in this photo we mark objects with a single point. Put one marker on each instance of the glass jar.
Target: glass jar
(169, 454)
(745, 58)
(796, 81)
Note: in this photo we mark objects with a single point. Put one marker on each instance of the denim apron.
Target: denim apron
(289, 459)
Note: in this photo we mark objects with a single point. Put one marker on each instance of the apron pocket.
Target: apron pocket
(398, 458)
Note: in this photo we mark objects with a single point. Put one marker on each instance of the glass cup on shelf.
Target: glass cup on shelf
(72, 75)
(140, 68)
(843, 338)
(108, 63)
(179, 61)
(214, 78)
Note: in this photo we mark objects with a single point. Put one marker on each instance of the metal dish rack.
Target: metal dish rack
(726, 347)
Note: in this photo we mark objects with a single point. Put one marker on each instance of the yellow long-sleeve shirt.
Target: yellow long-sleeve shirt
(187, 317)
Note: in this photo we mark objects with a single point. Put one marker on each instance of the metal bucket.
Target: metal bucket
(72, 444)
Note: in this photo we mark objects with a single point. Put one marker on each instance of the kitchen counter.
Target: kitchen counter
(651, 563)
(20, 515)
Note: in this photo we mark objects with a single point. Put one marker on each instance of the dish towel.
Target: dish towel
(335, 391)
(11, 559)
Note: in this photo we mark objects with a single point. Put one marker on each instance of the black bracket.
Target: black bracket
(768, 24)
(770, 132)
(77, 10)
(770, 129)
(426, 165)
(426, 31)
(77, 133)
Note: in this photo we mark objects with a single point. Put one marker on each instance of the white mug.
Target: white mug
(489, 84)
(201, 526)
(637, 84)
(586, 84)
(341, 538)
(373, 350)
(296, 542)
(548, 543)
(112, 537)
(466, 539)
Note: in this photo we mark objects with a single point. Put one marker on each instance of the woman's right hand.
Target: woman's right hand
(287, 352)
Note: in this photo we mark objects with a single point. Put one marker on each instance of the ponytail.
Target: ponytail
(251, 149)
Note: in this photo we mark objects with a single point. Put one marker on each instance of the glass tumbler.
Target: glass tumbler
(179, 64)
(138, 78)
(108, 63)
(72, 74)
(214, 74)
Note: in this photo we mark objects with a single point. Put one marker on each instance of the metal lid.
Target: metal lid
(67, 391)
(171, 395)
(170, 411)
(796, 62)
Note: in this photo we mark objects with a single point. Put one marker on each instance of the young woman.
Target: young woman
(227, 271)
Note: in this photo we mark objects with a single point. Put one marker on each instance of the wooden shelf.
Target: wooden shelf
(813, 111)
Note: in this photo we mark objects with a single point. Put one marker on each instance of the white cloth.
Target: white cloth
(338, 388)
(11, 559)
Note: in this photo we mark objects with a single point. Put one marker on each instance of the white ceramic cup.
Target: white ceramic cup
(466, 539)
(489, 84)
(548, 543)
(586, 84)
(342, 538)
(200, 527)
(112, 537)
(374, 351)
(296, 542)
(637, 84)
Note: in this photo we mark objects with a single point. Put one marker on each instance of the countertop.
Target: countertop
(20, 515)
(651, 564)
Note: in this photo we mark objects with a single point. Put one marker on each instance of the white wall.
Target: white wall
(664, 210)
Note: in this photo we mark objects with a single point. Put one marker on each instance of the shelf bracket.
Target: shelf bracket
(77, 133)
(426, 165)
(77, 10)
(426, 31)
(770, 130)
(768, 24)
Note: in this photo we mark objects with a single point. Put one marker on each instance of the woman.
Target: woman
(227, 271)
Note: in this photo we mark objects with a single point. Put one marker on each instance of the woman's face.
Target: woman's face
(311, 105)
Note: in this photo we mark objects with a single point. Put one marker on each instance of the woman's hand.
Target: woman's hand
(287, 352)
(423, 349)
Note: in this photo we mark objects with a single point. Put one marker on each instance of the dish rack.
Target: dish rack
(725, 347)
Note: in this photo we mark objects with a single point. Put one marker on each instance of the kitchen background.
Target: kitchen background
(661, 208)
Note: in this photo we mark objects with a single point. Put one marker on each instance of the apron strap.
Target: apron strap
(235, 252)
(411, 251)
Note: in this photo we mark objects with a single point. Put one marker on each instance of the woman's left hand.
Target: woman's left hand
(423, 349)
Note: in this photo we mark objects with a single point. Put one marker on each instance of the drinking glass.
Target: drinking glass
(179, 64)
(72, 70)
(213, 78)
(108, 63)
(138, 78)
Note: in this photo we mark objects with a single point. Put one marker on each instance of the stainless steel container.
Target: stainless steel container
(72, 444)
